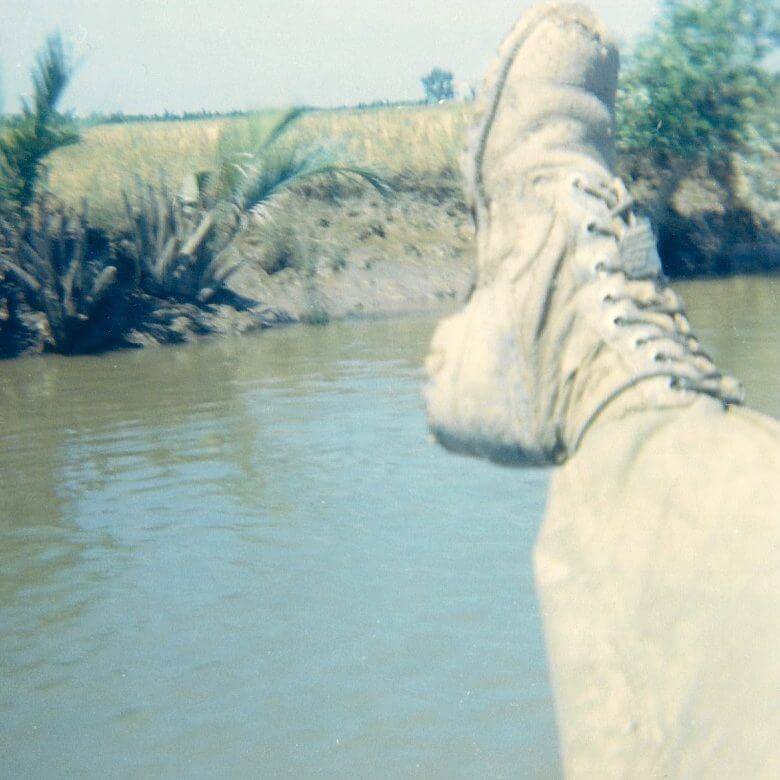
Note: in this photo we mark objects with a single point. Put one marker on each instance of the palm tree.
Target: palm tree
(180, 242)
(40, 130)
(253, 178)
(49, 257)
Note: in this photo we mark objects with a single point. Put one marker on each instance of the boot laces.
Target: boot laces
(654, 308)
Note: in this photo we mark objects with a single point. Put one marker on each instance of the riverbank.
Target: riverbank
(330, 252)
(705, 227)
(317, 259)
(314, 259)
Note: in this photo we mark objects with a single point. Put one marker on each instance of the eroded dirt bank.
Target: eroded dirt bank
(316, 257)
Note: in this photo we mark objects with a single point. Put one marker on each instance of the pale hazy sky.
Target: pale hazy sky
(147, 56)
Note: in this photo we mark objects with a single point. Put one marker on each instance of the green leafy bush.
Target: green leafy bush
(693, 87)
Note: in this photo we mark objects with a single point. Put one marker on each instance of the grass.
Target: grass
(109, 158)
(418, 144)
(416, 148)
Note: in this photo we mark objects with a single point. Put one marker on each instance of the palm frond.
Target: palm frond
(178, 246)
(287, 119)
(242, 143)
(287, 167)
(40, 130)
(51, 74)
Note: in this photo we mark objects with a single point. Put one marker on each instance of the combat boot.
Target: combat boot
(570, 318)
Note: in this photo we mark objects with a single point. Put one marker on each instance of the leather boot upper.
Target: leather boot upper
(570, 316)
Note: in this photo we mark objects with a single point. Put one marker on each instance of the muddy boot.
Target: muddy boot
(570, 311)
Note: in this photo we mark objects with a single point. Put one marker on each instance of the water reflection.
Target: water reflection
(244, 554)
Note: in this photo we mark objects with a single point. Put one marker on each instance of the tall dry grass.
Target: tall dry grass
(109, 157)
(417, 144)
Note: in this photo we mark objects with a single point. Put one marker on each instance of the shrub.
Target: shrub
(695, 82)
(71, 273)
(179, 246)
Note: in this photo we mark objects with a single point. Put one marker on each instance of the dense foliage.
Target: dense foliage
(68, 272)
(693, 88)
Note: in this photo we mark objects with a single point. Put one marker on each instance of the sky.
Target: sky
(146, 56)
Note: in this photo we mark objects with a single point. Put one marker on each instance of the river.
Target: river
(243, 557)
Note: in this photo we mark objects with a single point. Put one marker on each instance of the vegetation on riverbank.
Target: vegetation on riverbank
(415, 148)
(71, 287)
(699, 130)
(153, 253)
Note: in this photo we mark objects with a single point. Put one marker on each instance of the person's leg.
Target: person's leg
(658, 565)
(658, 571)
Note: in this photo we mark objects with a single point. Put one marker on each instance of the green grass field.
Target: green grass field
(407, 144)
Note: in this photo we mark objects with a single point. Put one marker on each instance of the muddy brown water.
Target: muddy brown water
(243, 558)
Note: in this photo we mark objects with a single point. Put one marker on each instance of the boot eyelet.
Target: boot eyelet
(618, 321)
(639, 343)
(608, 298)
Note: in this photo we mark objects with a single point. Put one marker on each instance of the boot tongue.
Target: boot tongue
(632, 348)
(638, 253)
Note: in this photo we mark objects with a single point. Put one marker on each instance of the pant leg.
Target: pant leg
(658, 571)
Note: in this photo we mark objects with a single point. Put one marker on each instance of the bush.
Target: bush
(179, 246)
(695, 102)
(71, 274)
(692, 89)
